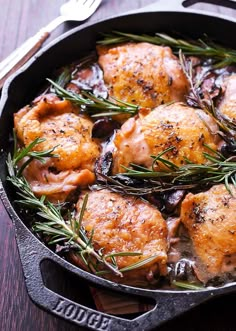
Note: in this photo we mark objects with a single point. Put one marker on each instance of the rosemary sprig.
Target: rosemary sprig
(20, 153)
(187, 286)
(145, 186)
(95, 106)
(204, 101)
(218, 170)
(59, 228)
(65, 77)
(133, 266)
(201, 47)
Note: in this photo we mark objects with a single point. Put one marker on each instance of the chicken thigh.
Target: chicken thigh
(59, 124)
(143, 74)
(127, 224)
(210, 220)
(183, 128)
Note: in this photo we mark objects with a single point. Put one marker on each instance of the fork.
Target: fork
(73, 10)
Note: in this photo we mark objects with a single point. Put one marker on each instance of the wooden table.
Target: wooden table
(19, 19)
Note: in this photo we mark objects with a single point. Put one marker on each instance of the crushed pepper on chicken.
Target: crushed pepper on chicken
(143, 74)
(127, 224)
(58, 122)
(210, 220)
(175, 125)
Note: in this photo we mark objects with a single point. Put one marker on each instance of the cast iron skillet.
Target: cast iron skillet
(22, 87)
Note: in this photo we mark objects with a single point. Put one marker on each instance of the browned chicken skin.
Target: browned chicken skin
(175, 125)
(227, 106)
(143, 74)
(58, 122)
(210, 219)
(127, 224)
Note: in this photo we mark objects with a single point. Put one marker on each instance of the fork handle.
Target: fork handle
(23, 53)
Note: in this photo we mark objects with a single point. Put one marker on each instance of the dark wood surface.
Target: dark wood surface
(19, 19)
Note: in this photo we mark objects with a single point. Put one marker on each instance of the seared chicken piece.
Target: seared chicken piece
(127, 224)
(143, 74)
(227, 106)
(58, 122)
(210, 220)
(175, 125)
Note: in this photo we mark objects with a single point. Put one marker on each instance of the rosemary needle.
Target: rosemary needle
(205, 103)
(218, 170)
(95, 106)
(187, 286)
(19, 154)
(204, 48)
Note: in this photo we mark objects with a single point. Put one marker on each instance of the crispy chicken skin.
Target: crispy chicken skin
(227, 106)
(126, 223)
(142, 73)
(175, 125)
(58, 122)
(210, 220)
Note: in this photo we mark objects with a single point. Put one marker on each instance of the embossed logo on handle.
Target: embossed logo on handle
(80, 316)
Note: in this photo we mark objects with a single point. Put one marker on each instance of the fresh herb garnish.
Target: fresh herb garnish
(64, 78)
(218, 170)
(205, 48)
(204, 101)
(187, 286)
(20, 153)
(123, 184)
(59, 230)
(67, 230)
(95, 106)
(132, 266)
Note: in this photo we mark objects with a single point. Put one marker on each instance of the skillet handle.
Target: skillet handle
(175, 5)
(224, 3)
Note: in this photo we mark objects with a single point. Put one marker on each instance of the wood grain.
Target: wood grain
(20, 19)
